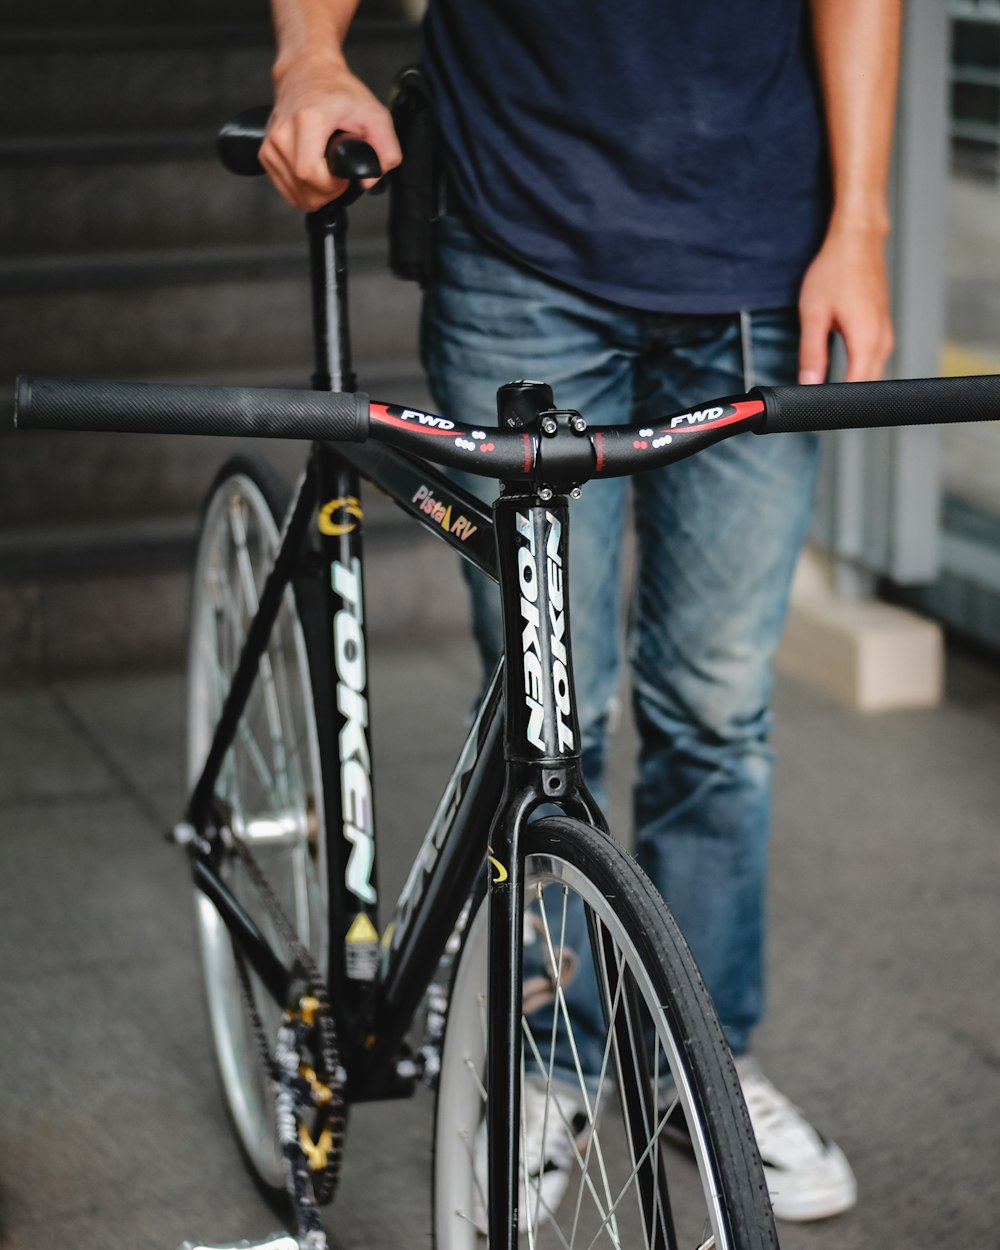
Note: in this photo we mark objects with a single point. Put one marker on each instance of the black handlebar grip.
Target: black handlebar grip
(865, 405)
(352, 158)
(158, 408)
(240, 139)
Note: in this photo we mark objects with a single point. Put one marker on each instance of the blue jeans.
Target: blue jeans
(718, 536)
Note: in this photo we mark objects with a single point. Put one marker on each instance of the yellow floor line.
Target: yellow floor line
(958, 361)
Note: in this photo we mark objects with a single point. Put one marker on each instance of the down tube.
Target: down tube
(440, 881)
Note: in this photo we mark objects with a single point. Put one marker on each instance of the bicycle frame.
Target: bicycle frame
(378, 985)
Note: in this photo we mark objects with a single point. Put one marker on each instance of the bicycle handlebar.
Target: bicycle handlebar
(151, 408)
(578, 453)
(869, 405)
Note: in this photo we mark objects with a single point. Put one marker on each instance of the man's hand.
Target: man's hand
(845, 289)
(314, 96)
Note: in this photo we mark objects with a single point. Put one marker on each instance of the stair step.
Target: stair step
(163, 77)
(98, 271)
(77, 209)
(82, 600)
(221, 328)
(143, 545)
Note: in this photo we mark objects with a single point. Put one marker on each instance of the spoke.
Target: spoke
(635, 1045)
(246, 737)
(256, 757)
(248, 583)
(605, 1060)
(244, 565)
(661, 1125)
(300, 893)
(606, 1210)
(473, 1069)
(278, 685)
(557, 966)
(594, 1144)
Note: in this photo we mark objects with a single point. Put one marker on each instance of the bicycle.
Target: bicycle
(311, 1004)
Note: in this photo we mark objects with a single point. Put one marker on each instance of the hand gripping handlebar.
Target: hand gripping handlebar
(239, 142)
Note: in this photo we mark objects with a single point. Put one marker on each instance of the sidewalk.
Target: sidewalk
(884, 1012)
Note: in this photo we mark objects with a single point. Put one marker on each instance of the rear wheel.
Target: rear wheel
(604, 1088)
(269, 789)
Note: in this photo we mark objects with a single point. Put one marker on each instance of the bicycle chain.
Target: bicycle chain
(333, 1116)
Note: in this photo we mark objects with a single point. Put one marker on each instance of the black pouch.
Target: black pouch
(415, 187)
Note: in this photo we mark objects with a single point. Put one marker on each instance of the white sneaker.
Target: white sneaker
(555, 1130)
(807, 1176)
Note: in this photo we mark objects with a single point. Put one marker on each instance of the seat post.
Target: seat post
(327, 230)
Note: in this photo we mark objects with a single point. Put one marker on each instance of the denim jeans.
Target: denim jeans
(717, 539)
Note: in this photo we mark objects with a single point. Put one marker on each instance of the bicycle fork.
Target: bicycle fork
(542, 753)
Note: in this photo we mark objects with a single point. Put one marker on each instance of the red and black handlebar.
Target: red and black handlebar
(560, 451)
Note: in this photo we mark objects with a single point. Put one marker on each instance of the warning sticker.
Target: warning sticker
(361, 949)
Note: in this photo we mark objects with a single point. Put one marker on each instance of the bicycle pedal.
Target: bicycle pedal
(273, 1241)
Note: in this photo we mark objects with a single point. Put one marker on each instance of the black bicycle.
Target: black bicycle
(314, 1005)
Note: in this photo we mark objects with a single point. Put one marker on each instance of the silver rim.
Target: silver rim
(270, 782)
(602, 1204)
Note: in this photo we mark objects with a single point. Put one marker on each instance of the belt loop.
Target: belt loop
(746, 349)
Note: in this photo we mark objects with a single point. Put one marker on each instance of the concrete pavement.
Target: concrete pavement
(884, 1013)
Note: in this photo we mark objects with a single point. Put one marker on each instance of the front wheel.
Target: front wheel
(622, 1054)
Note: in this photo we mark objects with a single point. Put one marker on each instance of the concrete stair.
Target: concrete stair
(126, 251)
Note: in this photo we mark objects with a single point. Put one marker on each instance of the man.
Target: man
(651, 204)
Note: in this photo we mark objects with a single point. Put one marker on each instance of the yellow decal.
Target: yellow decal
(462, 528)
(317, 1152)
(321, 1093)
(387, 936)
(349, 507)
(308, 1008)
(362, 930)
(501, 870)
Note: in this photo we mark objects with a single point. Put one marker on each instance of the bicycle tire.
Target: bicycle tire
(270, 784)
(717, 1200)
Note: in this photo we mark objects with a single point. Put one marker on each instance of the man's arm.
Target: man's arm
(845, 288)
(315, 94)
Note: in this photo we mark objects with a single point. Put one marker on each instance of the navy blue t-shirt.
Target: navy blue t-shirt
(663, 154)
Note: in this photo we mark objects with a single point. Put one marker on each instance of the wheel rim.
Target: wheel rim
(270, 783)
(603, 1203)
